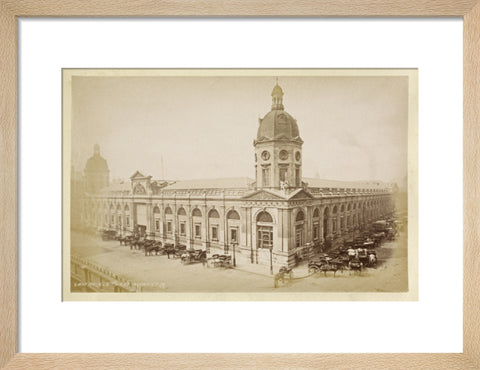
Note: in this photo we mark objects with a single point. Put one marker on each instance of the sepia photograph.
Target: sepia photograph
(239, 184)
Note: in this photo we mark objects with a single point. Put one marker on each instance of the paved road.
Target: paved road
(158, 273)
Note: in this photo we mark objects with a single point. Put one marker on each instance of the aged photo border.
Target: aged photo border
(11, 10)
(412, 128)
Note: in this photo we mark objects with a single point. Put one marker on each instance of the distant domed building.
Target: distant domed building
(96, 172)
(273, 220)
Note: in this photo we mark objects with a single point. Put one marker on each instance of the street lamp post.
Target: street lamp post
(234, 260)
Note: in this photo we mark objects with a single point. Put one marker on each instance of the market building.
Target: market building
(270, 220)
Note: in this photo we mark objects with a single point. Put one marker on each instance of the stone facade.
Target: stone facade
(267, 221)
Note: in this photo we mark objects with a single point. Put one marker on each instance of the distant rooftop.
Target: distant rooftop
(117, 186)
(321, 183)
(240, 183)
(223, 183)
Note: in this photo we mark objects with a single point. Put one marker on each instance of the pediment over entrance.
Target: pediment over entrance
(138, 176)
(263, 195)
(300, 194)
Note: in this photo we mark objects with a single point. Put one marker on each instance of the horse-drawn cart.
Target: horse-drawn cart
(192, 256)
(109, 235)
(220, 260)
(155, 246)
(324, 265)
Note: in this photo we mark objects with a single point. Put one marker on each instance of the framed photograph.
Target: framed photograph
(277, 235)
(260, 173)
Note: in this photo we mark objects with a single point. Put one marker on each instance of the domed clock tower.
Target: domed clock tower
(278, 148)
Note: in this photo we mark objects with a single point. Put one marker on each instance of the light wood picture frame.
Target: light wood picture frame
(11, 10)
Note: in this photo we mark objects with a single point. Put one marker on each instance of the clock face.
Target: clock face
(283, 155)
(298, 156)
(265, 155)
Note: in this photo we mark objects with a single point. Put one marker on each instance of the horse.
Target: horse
(134, 243)
(284, 271)
(372, 259)
(150, 246)
(168, 250)
(355, 265)
(329, 267)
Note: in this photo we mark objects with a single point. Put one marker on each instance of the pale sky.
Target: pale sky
(354, 128)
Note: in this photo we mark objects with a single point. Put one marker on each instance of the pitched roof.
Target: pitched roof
(321, 183)
(224, 183)
(139, 175)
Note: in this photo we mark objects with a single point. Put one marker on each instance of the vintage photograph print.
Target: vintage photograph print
(240, 184)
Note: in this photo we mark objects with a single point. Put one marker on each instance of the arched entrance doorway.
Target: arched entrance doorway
(264, 251)
(233, 232)
(326, 217)
(264, 230)
(299, 227)
(316, 225)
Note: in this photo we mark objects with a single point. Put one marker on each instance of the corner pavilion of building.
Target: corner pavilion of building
(270, 220)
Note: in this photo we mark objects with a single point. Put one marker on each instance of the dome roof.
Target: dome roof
(96, 163)
(278, 124)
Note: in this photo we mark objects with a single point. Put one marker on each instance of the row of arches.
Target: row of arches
(211, 225)
(196, 212)
(201, 226)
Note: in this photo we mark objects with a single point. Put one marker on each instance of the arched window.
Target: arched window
(349, 207)
(233, 226)
(168, 211)
(233, 215)
(316, 224)
(264, 217)
(299, 226)
(156, 215)
(264, 232)
(213, 217)
(342, 209)
(197, 223)
(127, 215)
(112, 214)
(334, 210)
(197, 213)
(182, 222)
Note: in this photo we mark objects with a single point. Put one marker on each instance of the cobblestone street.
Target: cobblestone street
(160, 274)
